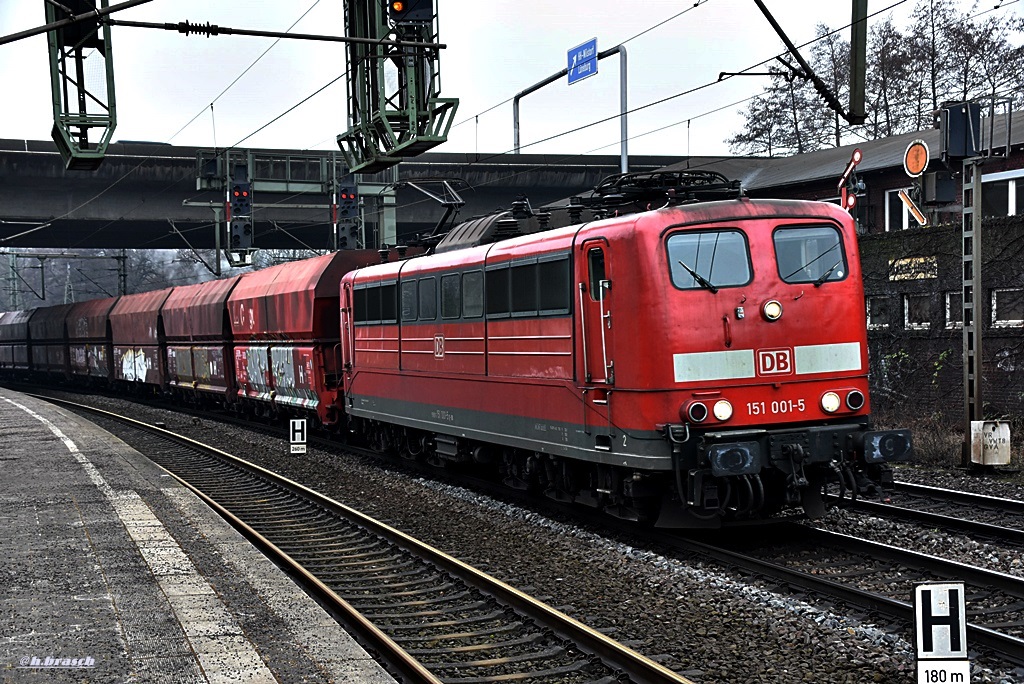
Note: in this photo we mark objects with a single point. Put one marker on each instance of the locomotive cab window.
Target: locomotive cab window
(809, 254)
(709, 259)
(595, 262)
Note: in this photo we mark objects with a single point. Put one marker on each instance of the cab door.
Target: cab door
(596, 365)
(348, 340)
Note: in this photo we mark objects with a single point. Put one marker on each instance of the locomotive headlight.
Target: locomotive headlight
(830, 402)
(723, 410)
(772, 310)
(855, 400)
(696, 411)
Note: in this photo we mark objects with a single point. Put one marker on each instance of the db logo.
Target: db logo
(438, 346)
(774, 361)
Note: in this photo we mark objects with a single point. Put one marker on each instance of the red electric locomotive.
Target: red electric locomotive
(699, 363)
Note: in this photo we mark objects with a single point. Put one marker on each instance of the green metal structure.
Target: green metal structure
(84, 111)
(393, 102)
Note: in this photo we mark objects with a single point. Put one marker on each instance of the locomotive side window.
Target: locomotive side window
(428, 299)
(595, 261)
(473, 294)
(497, 291)
(375, 304)
(389, 303)
(372, 304)
(524, 289)
(555, 291)
(359, 305)
(409, 308)
(451, 295)
(809, 254)
(709, 259)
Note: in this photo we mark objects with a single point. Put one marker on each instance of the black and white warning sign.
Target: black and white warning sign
(297, 435)
(941, 633)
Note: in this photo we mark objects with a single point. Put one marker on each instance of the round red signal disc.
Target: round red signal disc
(915, 159)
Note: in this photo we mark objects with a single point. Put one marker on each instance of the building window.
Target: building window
(879, 309)
(995, 198)
(954, 310)
(1008, 308)
(897, 216)
(917, 311)
(1002, 194)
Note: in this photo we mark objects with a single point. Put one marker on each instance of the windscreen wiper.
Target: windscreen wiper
(824, 276)
(701, 280)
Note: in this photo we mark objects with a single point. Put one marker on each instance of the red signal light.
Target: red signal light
(245, 193)
(236, 193)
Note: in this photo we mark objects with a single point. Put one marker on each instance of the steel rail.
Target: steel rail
(950, 522)
(1014, 505)
(639, 668)
(1010, 647)
(903, 511)
(408, 666)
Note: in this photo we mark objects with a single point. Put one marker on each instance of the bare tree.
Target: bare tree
(946, 55)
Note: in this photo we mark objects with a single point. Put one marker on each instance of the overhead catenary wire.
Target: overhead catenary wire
(568, 132)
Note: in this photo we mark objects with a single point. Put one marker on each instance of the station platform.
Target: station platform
(113, 572)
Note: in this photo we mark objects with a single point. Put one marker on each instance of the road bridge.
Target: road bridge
(144, 195)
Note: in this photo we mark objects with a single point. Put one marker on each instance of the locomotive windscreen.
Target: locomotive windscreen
(709, 259)
(809, 254)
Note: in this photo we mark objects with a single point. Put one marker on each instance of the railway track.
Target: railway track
(879, 578)
(431, 617)
(978, 515)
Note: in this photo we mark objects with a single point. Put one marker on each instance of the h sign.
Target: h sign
(297, 434)
(941, 621)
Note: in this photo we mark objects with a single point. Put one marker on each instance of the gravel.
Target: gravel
(701, 620)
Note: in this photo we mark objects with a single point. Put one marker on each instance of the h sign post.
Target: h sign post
(940, 611)
(297, 434)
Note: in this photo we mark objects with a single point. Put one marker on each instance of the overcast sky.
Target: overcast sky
(495, 49)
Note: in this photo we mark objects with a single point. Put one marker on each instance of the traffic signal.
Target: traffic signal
(348, 237)
(240, 204)
(402, 11)
(348, 203)
(241, 233)
(241, 199)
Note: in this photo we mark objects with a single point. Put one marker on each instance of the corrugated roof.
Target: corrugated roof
(886, 153)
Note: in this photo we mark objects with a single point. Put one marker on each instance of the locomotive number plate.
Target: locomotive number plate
(775, 407)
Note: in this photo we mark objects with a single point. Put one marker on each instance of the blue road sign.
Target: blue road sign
(582, 61)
